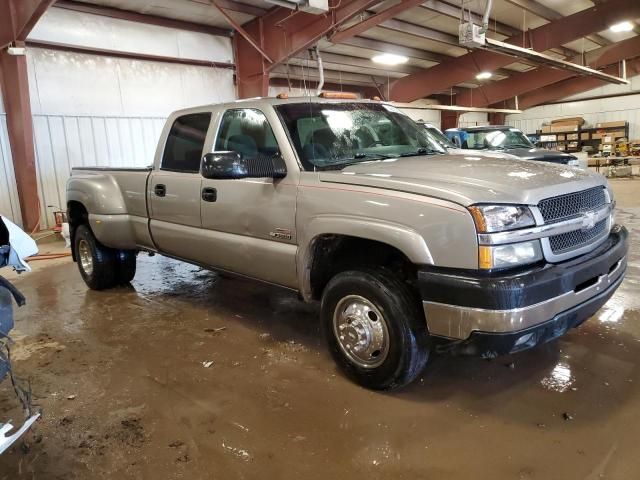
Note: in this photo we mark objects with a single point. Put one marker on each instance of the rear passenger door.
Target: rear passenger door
(251, 221)
(174, 188)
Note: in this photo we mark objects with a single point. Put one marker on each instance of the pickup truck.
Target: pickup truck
(348, 202)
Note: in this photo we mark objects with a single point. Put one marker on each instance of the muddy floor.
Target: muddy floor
(188, 375)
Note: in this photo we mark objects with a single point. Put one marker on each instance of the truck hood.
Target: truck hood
(540, 154)
(467, 179)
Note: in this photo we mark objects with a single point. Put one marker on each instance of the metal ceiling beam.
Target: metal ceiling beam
(239, 7)
(282, 33)
(572, 86)
(549, 14)
(543, 38)
(453, 11)
(373, 20)
(17, 18)
(387, 47)
(349, 60)
(140, 17)
(521, 83)
(295, 71)
(311, 86)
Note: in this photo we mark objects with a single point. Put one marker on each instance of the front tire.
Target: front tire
(374, 328)
(97, 263)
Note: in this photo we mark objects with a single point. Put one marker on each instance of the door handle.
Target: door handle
(160, 190)
(209, 194)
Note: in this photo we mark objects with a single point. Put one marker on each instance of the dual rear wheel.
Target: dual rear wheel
(102, 267)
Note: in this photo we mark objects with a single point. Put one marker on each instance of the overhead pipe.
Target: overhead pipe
(485, 17)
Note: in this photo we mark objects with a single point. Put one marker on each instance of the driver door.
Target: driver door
(251, 221)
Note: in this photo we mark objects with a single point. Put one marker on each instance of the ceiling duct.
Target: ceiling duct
(316, 7)
(540, 58)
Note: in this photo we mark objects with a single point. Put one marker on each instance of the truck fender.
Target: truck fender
(102, 198)
(401, 237)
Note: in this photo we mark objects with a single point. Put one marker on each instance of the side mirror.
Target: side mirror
(231, 165)
(223, 165)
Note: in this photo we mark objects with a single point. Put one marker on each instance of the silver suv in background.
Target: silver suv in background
(508, 140)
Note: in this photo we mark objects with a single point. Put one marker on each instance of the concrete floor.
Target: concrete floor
(273, 405)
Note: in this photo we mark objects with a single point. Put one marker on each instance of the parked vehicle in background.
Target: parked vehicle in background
(15, 245)
(350, 203)
(507, 140)
(451, 148)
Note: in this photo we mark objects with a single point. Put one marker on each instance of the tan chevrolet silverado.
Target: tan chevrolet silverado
(409, 250)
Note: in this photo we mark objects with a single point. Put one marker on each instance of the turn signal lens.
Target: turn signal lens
(512, 255)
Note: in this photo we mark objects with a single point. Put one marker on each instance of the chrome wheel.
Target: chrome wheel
(361, 331)
(86, 258)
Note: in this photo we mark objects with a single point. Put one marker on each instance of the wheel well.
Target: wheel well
(76, 215)
(332, 254)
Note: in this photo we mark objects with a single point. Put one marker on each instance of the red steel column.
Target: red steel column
(15, 91)
(497, 118)
(448, 119)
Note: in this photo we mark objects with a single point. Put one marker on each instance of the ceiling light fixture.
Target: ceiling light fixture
(390, 59)
(621, 27)
(484, 75)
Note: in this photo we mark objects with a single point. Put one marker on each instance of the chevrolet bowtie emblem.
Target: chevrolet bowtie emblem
(588, 221)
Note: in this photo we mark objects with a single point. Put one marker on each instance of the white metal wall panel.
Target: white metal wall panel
(64, 142)
(9, 205)
(473, 119)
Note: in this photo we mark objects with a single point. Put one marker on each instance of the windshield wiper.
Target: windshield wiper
(374, 156)
(420, 151)
(519, 145)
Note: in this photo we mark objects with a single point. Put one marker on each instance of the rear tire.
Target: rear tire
(97, 263)
(374, 328)
(126, 260)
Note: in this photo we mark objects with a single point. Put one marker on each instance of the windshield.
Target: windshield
(439, 137)
(333, 135)
(491, 139)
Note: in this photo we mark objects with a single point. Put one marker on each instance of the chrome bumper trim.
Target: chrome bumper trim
(459, 322)
(547, 230)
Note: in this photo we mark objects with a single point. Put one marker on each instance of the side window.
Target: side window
(247, 132)
(183, 150)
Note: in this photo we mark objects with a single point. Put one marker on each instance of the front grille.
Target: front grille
(572, 204)
(576, 239)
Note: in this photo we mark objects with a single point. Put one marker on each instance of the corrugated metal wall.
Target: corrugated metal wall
(64, 142)
(9, 205)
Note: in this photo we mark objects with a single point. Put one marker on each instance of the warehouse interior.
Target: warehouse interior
(187, 372)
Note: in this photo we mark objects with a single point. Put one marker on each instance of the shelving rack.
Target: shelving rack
(574, 140)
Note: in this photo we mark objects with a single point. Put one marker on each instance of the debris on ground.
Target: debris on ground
(176, 444)
(215, 330)
(207, 364)
(567, 416)
(71, 397)
(511, 365)
(238, 452)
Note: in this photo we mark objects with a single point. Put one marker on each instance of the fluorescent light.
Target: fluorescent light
(621, 27)
(389, 59)
(484, 75)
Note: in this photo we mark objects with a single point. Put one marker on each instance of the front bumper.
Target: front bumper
(507, 312)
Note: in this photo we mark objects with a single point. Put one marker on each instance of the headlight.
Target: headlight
(498, 218)
(512, 255)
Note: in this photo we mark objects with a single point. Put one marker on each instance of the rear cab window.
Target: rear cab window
(185, 143)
